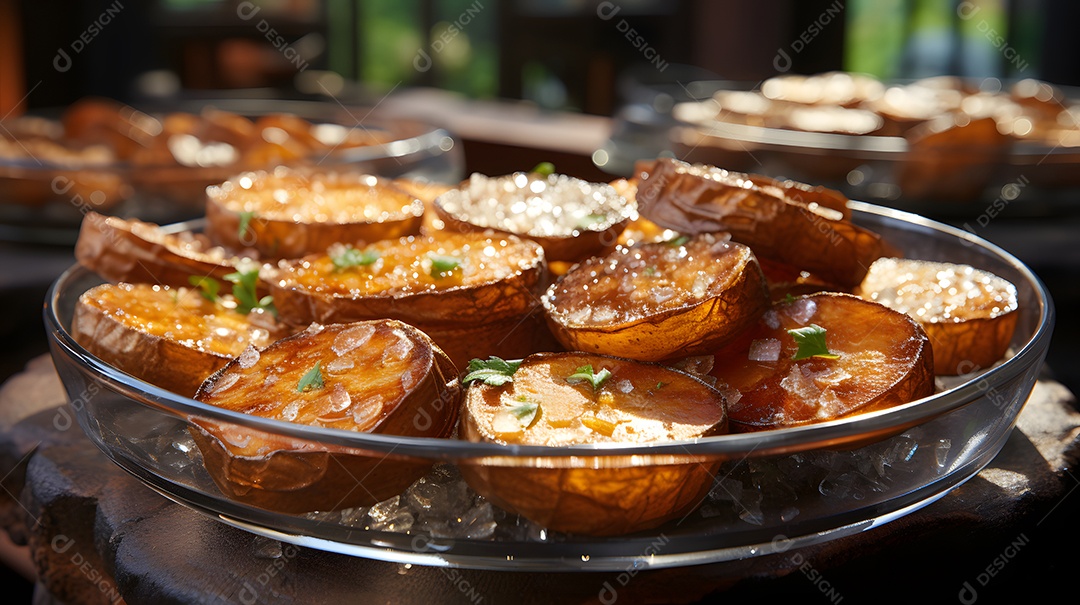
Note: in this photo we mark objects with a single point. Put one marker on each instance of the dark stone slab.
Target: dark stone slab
(996, 539)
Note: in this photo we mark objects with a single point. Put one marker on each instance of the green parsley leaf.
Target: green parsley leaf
(245, 288)
(494, 372)
(351, 257)
(514, 417)
(208, 286)
(442, 265)
(788, 299)
(245, 223)
(311, 380)
(649, 271)
(660, 385)
(585, 374)
(544, 168)
(811, 341)
(675, 242)
(524, 410)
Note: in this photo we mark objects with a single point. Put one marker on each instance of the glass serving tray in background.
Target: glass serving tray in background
(874, 168)
(775, 489)
(44, 202)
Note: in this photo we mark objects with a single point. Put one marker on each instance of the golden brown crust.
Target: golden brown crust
(380, 376)
(136, 328)
(688, 323)
(970, 315)
(596, 501)
(132, 251)
(781, 222)
(884, 359)
(320, 209)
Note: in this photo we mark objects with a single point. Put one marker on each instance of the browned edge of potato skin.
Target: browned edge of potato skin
(108, 247)
(299, 476)
(592, 501)
(775, 227)
(963, 347)
(155, 359)
(278, 239)
(692, 329)
(565, 248)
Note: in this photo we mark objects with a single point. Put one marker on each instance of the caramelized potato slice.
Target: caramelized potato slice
(289, 213)
(571, 218)
(128, 250)
(781, 221)
(637, 403)
(884, 359)
(170, 337)
(969, 314)
(380, 376)
(475, 294)
(656, 301)
(453, 279)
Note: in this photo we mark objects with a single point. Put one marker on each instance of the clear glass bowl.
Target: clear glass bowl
(774, 489)
(43, 201)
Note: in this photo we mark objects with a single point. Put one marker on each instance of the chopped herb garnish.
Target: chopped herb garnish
(311, 380)
(351, 257)
(811, 341)
(681, 240)
(208, 286)
(245, 288)
(524, 410)
(649, 271)
(514, 417)
(544, 168)
(494, 372)
(245, 223)
(585, 374)
(442, 265)
(660, 385)
(788, 299)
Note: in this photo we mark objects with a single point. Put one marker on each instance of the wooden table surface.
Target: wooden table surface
(94, 534)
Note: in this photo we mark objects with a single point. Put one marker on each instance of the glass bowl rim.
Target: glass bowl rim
(786, 440)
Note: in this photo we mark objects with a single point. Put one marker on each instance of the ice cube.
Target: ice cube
(352, 338)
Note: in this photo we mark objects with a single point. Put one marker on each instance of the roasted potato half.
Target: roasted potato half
(133, 251)
(558, 399)
(380, 376)
(471, 292)
(969, 314)
(571, 218)
(656, 301)
(291, 213)
(821, 357)
(782, 221)
(170, 337)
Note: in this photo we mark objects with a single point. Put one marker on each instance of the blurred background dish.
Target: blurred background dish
(155, 162)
